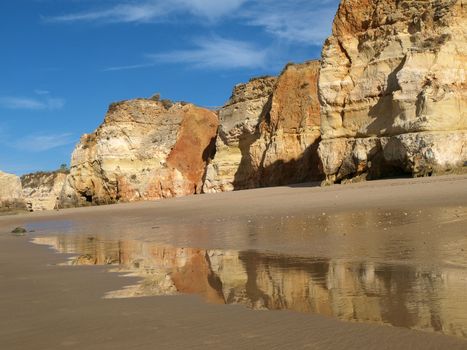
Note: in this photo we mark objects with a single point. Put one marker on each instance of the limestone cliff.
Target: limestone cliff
(269, 132)
(145, 149)
(392, 89)
(41, 190)
(10, 192)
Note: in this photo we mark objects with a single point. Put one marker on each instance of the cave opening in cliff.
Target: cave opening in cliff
(87, 196)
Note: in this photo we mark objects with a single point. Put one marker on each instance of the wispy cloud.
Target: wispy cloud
(216, 53)
(151, 10)
(35, 142)
(302, 21)
(297, 22)
(54, 103)
(129, 67)
(45, 102)
(144, 12)
(213, 9)
(43, 142)
(41, 92)
(20, 103)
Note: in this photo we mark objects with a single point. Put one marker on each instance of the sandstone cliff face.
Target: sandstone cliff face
(286, 151)
(388, 97)
(393, 89)
(10, 192)
(145, 149)
(239, 120)
(269, 132)
(41, 191)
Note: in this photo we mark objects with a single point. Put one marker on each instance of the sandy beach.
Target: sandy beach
(395, 249)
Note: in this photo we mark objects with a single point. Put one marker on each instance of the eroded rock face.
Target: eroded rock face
(286, 150)
(269, 132)
(239, 120)
(145, 149)
(10, 192)
(41, 191)
(394, 72)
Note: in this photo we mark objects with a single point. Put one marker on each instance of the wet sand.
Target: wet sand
(404, 239)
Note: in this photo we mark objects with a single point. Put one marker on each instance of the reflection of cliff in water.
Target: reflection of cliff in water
(432, 299)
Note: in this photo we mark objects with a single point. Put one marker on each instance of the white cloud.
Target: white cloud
(20, 103)
(298, 22)
(213, 9)
(50, 103)
(217, 53)
(129, 67)
(36, 142)
(119, 13)
(43, 142)
(41, 92)
(54, 103)
(302, 21)
(152, 10)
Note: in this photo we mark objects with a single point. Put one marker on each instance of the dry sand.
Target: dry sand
(46, 306)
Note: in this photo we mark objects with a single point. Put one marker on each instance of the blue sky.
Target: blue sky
(63, 62)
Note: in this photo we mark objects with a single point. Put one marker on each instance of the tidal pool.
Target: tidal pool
(400, 268)
(429, 297)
